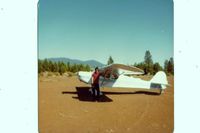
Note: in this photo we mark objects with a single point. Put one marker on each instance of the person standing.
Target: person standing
(95, 83)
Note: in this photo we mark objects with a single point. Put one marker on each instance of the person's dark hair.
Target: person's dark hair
(96, 68)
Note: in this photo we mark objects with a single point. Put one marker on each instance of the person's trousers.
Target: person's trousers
(95, 87)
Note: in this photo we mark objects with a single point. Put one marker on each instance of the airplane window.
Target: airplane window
(111, 74)
(114, 76)
(107, 73)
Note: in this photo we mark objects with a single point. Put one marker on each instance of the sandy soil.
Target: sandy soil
(65, 105)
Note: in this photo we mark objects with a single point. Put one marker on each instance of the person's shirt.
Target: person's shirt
(95, 77)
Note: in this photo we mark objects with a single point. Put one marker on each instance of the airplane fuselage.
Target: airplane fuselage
(121, 82)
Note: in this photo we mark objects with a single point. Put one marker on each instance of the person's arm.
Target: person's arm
(92, 80)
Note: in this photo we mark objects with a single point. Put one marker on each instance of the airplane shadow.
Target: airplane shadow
(83, 94)
(120, 93)
(136, 92)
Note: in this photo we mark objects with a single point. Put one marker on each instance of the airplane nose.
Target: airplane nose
(79, 74)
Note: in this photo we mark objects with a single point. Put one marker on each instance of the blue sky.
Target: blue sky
(97, 29)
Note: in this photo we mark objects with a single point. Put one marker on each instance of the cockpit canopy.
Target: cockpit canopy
(110, 73)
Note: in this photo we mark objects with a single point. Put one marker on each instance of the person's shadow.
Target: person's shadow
(83, 94)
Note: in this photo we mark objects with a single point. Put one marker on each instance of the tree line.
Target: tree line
(149, 67)
(61, 67)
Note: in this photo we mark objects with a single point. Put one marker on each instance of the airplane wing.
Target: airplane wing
(119, 69)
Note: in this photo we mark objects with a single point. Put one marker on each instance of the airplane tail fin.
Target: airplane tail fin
(160, 79)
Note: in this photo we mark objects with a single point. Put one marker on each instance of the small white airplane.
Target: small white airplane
(116, 76)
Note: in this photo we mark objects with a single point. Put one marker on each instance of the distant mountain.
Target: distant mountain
(92, 63)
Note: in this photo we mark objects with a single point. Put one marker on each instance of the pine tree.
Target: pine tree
(40, 66)
(148, 62)
(61, 67)
(50, 66)
(166, 66)
(170, 67)
(55, 67)
(172, 62)
(68, 67)
(156, 68)
(45, 65)
(87, 68)
(110, 60)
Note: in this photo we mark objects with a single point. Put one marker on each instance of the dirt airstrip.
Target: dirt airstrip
(65, 105)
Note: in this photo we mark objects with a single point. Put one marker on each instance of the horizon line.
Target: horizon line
(101, 62)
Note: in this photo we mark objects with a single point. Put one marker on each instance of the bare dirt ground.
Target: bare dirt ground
(65, 105)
